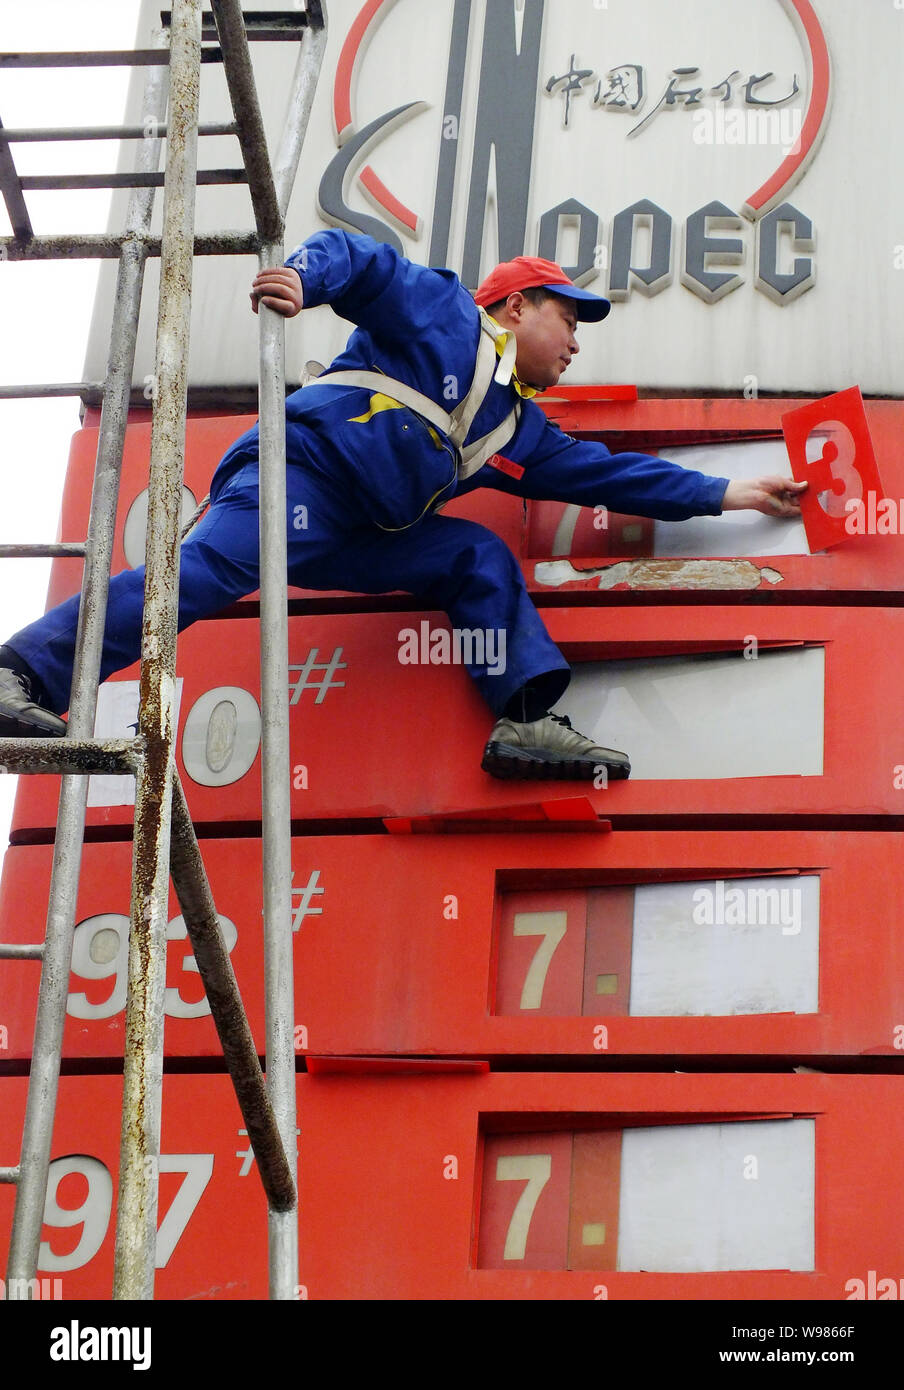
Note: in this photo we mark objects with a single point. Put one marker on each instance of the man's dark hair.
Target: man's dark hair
(536, 295)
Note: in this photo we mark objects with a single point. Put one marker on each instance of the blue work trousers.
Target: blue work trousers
(449, 564)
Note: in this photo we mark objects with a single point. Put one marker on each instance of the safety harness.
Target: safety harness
(490, 366)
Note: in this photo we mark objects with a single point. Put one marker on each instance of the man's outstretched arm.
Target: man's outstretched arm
(560, 468)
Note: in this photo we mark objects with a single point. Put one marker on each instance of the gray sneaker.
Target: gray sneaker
(20, 717)
(549, 748)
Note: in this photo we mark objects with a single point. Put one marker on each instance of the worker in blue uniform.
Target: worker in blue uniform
(431, 398)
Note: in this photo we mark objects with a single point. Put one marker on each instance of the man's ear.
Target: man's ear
(514, 306)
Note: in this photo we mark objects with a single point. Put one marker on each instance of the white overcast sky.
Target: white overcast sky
(45, 307)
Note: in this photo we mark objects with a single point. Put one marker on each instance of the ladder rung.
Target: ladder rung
(31, 182)
(101, 132)
(43, 389)
(266, 28)
(106, 58)
(27, 551)
(65, 755)
(9, 1174)
(9, 951)
(261, 24)
(102, 244)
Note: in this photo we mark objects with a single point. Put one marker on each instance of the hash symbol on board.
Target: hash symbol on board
(303, 909)
(311, 665)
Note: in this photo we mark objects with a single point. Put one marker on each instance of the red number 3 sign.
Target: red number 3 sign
(829, 447)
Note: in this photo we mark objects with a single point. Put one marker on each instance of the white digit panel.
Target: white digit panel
(92, 1213)
(733, 533)
(741, 946)
(219, 742)
(713, 716)
(718, 1196)
(117, 717)
(100, 951)
(221, 736)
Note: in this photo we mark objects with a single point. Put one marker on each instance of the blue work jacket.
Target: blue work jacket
(421, 326)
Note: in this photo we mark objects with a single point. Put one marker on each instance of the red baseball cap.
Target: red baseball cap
(529, 272)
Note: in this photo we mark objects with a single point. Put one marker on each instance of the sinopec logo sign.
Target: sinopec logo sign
(562, 66)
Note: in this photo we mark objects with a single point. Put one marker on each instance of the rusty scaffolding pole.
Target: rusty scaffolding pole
(165, 843)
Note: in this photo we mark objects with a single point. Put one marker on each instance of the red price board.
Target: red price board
(570, 548)
(486, 1185)
(586, 1186)
(725, 711)
(704, 943)
(562, 546)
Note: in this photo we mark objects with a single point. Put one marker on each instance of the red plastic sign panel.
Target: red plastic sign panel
(623, 1186)
(562, 546)
(706, 944)
(212, 1222)
(96, 998)
(830, 448)
(570, 548)
(500, 1186)
(724, 712)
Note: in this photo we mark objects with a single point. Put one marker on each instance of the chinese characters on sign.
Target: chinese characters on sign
(626, 89)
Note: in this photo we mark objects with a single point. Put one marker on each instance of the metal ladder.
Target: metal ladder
(164, 840)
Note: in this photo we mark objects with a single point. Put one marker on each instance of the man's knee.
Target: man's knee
(478, 551)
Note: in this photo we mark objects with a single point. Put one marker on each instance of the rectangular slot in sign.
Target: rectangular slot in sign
(718, 1196)
(674, 1198)
(717, 947)
(565, 529)
(733, 533)
(711, 716)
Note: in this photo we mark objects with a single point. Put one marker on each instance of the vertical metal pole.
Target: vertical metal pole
(277, 848)
(275, 772)
(136, 1223)
(301, 99)
(276, 812)
(45, 1066)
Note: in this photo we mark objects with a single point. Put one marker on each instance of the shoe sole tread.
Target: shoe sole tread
(504, 761)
